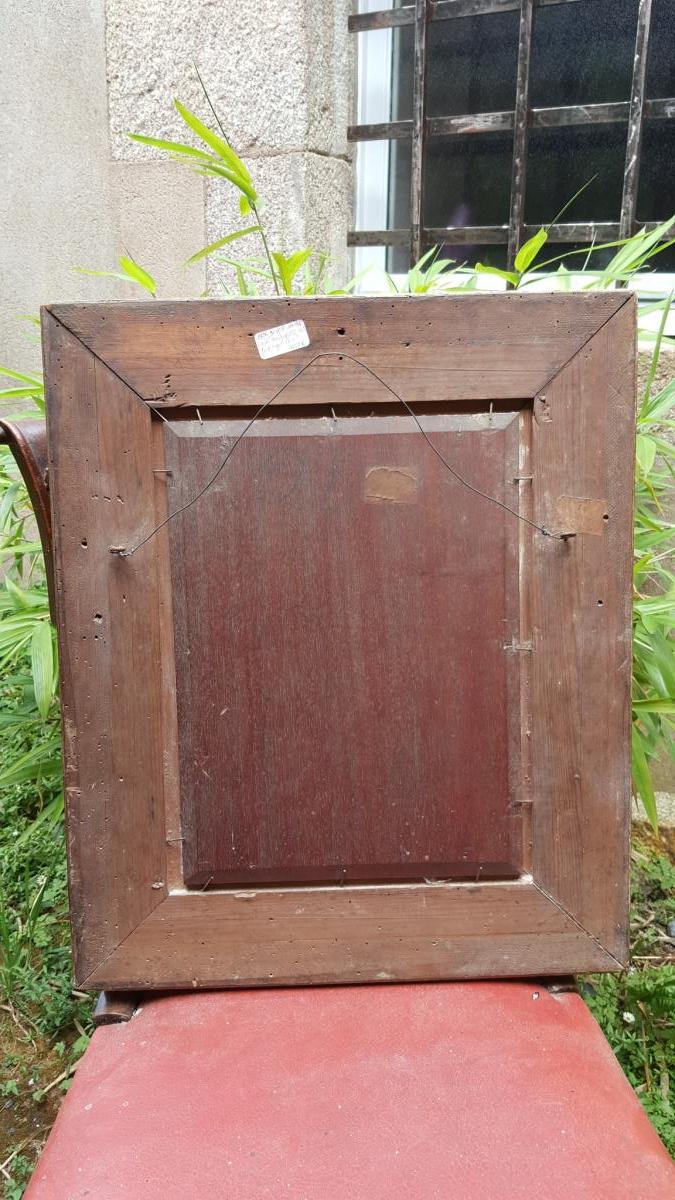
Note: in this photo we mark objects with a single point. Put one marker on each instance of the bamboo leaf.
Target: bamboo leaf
(484, 269)
(529, 250)
(657, 351)
(221, 147)
(660, 404)
(231, 237)
(138, 274)
(18, 393)
(102, 274)
(222, 172)
(42, 666)
(642, 779)
(645, 450)
(35, 380)
(232, 262)
(180, 149)
(36, 764)
(289, 267)
(7, 503)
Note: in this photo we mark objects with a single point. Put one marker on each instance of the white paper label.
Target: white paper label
(282, 339)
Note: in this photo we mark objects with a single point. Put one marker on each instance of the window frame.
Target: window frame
(419, 237)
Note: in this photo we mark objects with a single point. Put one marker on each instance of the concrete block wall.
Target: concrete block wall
(74, 190)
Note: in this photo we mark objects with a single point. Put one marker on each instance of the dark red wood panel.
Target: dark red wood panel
(342, 609)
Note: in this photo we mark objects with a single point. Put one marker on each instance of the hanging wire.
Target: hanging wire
(127, 553)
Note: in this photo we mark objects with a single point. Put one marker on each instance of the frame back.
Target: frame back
(336, 705)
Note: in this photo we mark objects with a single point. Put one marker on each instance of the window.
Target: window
(479, 120)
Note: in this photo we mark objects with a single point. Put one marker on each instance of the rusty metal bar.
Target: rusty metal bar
(378, 237)
(419, 129)
(381, 131)
(631, 174)
(382, 19)
(442, 10)
(610, 113)
(520, 128)
(483, 235)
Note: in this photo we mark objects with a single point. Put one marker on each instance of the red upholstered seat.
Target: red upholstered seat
(484, 1091)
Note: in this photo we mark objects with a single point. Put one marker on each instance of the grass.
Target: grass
(636, 1009)
(44, 1023)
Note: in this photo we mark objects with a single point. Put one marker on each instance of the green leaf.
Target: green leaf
(17, 393)
(660, 404)
(642, 779)
(657, 351)
(138, 274)
(231, 237)
(42, 666)
(633, 253)
(250, 270)
(244, 288)
(34, 765)
(484, 269)
(289, 267)
(645, 450)
(35, 380)
(7, 503)
(51, 814)
(221, 147)
(659, 664)
(102, 274)
(653, 706)
(19, 598)
(222, 172)
(9, 547)
(177, 148)
(245, 205)
(130, 273)
(529, 250)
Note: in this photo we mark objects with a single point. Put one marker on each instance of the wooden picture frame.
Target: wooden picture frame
(559, 372)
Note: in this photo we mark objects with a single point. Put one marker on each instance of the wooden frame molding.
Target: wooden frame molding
(113, 372)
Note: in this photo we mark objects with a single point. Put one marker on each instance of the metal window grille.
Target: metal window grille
(520, 120)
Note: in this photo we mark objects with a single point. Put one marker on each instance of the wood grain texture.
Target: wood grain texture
(342, 616)
(360, 934)
(99, 443)
(583, 445)
(431, 349)
(128, 628)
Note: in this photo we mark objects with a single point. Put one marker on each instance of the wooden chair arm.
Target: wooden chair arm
(28, 442)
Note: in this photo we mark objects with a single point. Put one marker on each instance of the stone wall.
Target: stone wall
(75, 191)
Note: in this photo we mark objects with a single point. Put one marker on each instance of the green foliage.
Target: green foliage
(637, 1008)
(32, 388)
(653, 581)
(130, 272)
(224, 241)
(219, 161)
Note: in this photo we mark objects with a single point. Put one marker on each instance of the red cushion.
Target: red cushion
(484, 1091)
